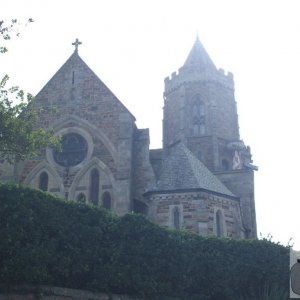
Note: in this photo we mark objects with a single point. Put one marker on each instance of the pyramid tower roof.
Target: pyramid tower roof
(199, 58)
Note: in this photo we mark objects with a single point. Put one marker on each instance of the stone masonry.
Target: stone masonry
(202, 180)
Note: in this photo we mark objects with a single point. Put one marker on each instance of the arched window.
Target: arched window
(81, 198)
(176, 218)
(219, 224)
(201, 108)
(43, 181)
(106, 200)
(195, 110)
(225, 164)
(94, 186)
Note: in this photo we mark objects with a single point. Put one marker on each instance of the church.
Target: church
(202, 180)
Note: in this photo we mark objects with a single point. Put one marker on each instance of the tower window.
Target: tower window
(198, 117)
(43, 182)
(201, 129)
(225, 164)
(94, 186)
(106, 200)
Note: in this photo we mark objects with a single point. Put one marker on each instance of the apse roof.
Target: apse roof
(181, 170)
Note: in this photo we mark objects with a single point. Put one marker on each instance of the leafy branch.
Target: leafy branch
(20, 138)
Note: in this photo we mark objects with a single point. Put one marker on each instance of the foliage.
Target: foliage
(20, 138)
(45, 240)
(7, 30)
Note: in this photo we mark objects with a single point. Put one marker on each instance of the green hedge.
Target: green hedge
(46, 240)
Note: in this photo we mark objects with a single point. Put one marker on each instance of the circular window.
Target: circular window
(74, 150)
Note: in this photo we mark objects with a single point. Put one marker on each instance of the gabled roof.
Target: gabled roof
(181, 170)
(86, 81)
(199, 58)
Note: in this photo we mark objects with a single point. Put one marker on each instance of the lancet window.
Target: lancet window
(198, 117)
(94, 186)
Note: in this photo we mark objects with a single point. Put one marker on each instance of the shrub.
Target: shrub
(46, 240)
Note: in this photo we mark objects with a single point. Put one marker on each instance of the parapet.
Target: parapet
(187, 75)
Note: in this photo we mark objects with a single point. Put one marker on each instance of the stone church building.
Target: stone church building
(202, 178)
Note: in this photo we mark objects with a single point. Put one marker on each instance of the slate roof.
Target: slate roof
(199, 58)
(181, 170)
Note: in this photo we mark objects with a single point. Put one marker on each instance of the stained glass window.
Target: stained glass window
(73, 150)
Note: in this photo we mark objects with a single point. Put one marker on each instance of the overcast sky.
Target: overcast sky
(133, 45)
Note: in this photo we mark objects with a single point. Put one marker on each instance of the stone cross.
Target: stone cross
(76, 44)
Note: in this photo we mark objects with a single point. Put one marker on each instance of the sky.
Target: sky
(133, 45)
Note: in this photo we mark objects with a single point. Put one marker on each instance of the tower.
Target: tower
(200, 111)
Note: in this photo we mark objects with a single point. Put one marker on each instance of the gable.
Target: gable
(75, 90)
(75, 82)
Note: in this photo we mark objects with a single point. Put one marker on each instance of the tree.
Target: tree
(20, 138)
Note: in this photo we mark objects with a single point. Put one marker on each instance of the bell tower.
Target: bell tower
(200, 111)
(200, 108)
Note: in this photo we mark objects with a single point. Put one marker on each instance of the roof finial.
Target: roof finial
(197, 35)
(76, 44)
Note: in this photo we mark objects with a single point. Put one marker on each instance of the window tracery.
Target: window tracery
(73, 150)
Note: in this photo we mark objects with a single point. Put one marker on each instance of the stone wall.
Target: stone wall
(143, 174)
(241, 182)
(76, 101)
(197, 211)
